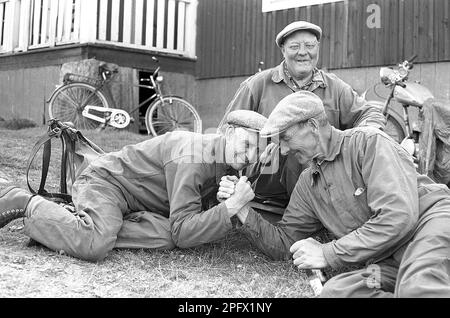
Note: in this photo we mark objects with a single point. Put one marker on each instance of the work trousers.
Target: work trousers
(419, 269)
(102, 221)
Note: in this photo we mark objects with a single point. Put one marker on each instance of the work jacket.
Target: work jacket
(174, 175)
(365, 191)
(262, 92)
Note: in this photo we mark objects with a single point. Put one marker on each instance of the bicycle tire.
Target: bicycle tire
(395, 128)
(68, 101)
(173, 113)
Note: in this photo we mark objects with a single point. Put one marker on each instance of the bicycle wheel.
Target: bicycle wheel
(68, 102)
(172, 114)
(394, 128)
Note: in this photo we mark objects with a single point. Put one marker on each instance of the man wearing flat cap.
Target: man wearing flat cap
(299, 43)
(155, 194)
(363, 188)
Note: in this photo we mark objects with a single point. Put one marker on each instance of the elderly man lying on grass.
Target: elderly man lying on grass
(154, 194)
(363, 188)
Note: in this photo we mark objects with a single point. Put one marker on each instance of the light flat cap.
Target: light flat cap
(294, 108)
(246, 119)
(297, 26)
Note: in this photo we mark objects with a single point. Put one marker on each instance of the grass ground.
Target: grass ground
(230, 268)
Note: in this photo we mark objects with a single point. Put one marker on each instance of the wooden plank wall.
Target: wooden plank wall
(149, 24)
(234, 35)
(23, 92)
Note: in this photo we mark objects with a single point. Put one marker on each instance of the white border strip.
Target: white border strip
(275, 5)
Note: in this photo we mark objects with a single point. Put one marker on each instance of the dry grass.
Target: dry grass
(230, 267)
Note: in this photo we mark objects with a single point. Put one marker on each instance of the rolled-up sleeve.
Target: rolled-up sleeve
(392, 196)
(275, 240)
(190, 225)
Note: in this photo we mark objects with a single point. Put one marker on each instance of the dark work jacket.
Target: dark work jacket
(173, 175)
(262, 92)
(366, 192)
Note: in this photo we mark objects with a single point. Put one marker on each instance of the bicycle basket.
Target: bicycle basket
(76, 78)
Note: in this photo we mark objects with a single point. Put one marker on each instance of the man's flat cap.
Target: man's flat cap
(297, 26)
(294, 108)
(246, 119)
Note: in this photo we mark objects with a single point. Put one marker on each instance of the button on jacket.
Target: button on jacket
(345, 109)
(365, 191)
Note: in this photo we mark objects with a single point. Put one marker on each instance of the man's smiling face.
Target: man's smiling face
(241, 148)
(299, 140)
(301, 52)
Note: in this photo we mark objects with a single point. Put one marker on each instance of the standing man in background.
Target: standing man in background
(300, 44)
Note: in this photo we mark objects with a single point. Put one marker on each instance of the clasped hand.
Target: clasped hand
(235, 192)
(308, 254)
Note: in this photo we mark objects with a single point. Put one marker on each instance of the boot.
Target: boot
(13, 202)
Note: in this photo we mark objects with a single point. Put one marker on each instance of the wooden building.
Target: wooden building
(40, 38)
(359, 36)
(208, 47)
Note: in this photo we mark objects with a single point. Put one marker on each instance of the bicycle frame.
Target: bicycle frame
(155, 85)
(106, 80)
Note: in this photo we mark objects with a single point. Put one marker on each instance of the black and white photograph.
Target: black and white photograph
(224, 156)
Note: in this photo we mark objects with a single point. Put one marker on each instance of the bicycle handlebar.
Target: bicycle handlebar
(397, 77)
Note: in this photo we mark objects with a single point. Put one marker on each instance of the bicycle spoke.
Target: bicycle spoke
(69, 103)
(161, 122)
(182, 111)
(74, 95)
(186, 119)
(186, 123)
(65, 113)
(95, 103)
(69, 99)
(64, 107)
(162, 114)
(165, 111)
(164, 130)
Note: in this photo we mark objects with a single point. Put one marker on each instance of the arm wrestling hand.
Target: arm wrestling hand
(243, 194)
(226, 187)
(308, 254)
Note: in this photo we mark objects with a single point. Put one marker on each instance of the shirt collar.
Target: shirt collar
(334, 149)
(317, 80)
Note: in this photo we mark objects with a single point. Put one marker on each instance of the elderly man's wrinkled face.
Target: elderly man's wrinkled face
(300, 141)
(241, 148)
(301, 52)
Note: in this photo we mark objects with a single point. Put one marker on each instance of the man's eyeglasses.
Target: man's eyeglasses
(295, 47)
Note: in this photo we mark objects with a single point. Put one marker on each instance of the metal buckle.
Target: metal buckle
(55, 132)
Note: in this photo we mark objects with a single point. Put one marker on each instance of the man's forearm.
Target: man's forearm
(243, 213)
(268, 238)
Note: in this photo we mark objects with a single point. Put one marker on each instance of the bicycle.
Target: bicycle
(86, 102)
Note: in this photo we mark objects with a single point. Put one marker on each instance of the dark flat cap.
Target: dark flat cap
(246, 119)
(294, 108)
(297, 26)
